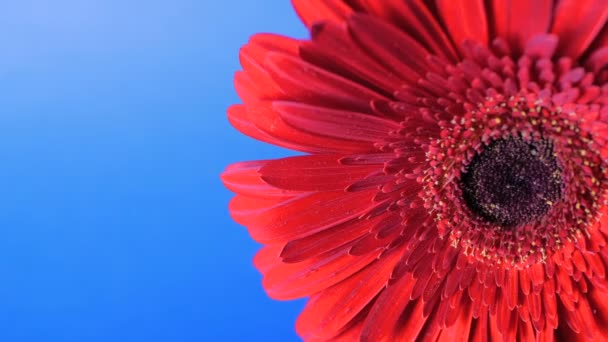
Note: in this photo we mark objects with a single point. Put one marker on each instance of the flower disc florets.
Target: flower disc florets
(513, 181)
(514, 176)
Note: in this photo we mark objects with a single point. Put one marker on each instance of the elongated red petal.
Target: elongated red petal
(345, 234)
(311, 84)
(255, 84)
(461, 328)
(312, 11)
(326, 313)
(290, 281)
(382, 321)
(577, 22)
(510, 19)
(245, 179)
(416, 19)
(338, 124)
(313, 173)
(393, 48)
(332, 48)
(464, 20)
(270, 127)
(269, 221)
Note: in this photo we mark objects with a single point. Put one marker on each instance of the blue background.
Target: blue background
(113, 133)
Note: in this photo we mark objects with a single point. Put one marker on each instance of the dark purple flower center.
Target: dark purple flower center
(512, 181)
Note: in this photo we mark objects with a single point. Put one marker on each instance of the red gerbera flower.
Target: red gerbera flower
(455, 178)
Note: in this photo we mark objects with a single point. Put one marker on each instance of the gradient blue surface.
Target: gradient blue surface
(113, 133)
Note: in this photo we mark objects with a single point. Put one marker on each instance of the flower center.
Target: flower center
(512, 181)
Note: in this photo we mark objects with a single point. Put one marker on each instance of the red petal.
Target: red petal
(332, 48)
(241, 205)
(599, 305)
(290, 281)
(269, 221)
(383, 319)
(591, 329)
(432, 326)
(332, 309)
(581, 320)
(265, 42)
(250, 91)
(390, 46)
(535, 305)
(494, 332)
(311, 11)
(564, 282)
(374, 181)
(351, 332)
(489, 296)
(244, 178)
(329, 239)
(417, 20)
(268, 257)
(311, 84)
(452, 281)
(410, 323)
(526, 332)
(601, 40)
(313, 173)
(479, 332)
(519, 20)
(464, 20)
(461, 329)
(595, 264)
(524, 282)
(239, 118)
(475, 291)
(507, 325)
(546, 335)
(255, 83)
(579, 261)
(512, 288)
(337, 124)
(373, 242)
(275, 130)
(577, 22)
(537, 275)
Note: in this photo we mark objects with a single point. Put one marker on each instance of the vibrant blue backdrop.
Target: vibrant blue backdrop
(113, 222)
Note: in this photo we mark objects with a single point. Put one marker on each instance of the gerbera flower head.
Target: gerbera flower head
(454, 181)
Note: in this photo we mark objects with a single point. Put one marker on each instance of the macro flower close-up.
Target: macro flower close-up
(451, 178)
